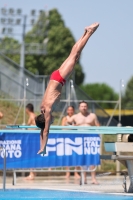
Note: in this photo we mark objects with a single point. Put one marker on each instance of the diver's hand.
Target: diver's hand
(42, 109)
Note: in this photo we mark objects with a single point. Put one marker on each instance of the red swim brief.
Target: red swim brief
(57, 77)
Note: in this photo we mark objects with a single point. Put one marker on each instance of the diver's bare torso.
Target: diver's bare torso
(52, 95)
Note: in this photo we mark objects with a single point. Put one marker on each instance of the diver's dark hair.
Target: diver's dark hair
(30, 107)
(40, 121)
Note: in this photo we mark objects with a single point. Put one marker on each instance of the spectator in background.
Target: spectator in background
(31, 121)
(31, 114)
(1, 115)
(70, 113)
(85, 118)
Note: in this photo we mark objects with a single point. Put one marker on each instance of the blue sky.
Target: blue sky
(108, 56)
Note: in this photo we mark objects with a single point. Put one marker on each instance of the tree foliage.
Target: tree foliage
(8, 44)
(100, 92)
(50, 32)
(127, 100)
(60, 41)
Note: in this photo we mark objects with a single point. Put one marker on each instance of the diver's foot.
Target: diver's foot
(42, 151)
(92, 28)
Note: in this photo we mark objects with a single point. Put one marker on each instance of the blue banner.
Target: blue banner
(62, 150)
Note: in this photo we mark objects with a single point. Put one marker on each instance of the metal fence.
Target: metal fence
(13, 81)
(13, 89)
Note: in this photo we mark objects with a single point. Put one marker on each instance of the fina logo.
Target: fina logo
(80, 146)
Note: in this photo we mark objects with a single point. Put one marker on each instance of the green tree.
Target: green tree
(99, 91)
(127, 100)
(51, 33)
(59, 43)
(9, 45)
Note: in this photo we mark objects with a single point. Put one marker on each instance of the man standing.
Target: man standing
(85, 118)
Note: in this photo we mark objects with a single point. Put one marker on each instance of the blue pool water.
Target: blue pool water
(57, 195)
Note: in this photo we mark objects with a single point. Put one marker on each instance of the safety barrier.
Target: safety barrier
(62, 130)
(81, 171)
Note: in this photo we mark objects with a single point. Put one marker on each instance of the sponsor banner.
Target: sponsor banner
(62, 150)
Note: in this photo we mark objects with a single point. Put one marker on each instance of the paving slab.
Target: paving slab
(107, 184)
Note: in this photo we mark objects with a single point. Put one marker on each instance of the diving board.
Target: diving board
(118, 146)
(75, 129)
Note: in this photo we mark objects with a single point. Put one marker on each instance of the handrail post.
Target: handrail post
(82, 177)
(4, 169)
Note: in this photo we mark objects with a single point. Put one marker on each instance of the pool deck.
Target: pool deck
(107, 184)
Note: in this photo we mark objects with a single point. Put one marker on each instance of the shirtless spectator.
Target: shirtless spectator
(31, 121)
(70, 113)
(85, 118)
